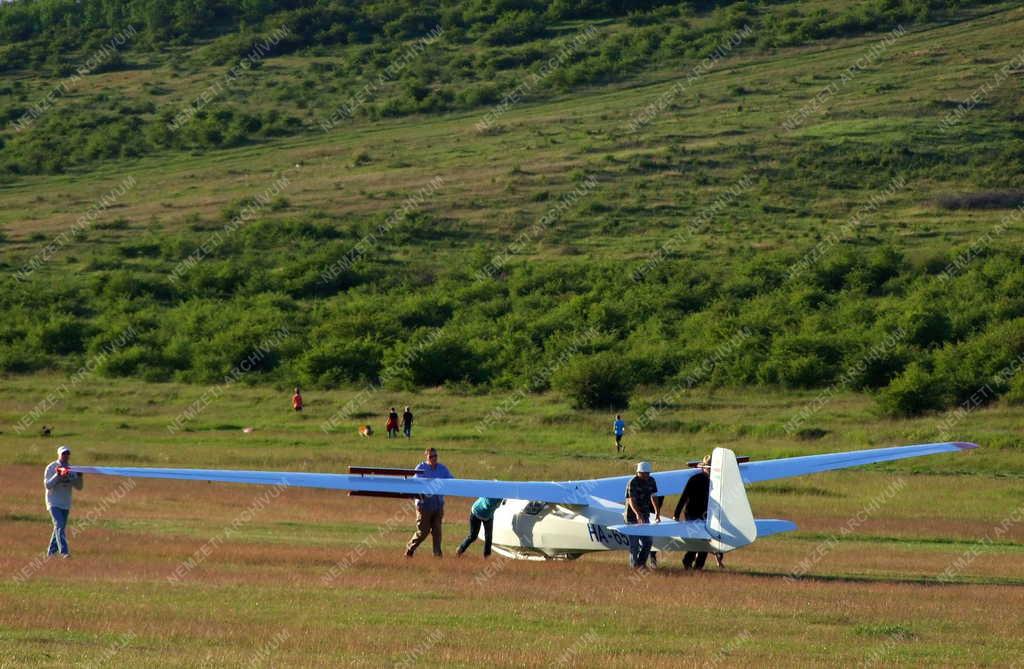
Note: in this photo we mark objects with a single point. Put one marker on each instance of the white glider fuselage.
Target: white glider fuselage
(545, 530)
(556, 531)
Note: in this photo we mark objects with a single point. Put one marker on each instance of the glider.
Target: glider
(563, 520)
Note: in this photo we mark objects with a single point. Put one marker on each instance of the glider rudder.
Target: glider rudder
(730, 521)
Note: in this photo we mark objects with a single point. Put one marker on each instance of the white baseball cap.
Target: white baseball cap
(644, 467)
(62, 449)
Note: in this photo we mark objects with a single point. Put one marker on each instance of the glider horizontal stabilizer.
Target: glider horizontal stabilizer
(696, 529)
(681, 529)
(769, 526)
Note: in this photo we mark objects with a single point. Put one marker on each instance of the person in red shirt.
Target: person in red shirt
(392, 424)
(297, 400)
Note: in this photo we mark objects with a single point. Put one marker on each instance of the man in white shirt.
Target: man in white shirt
(59, 480)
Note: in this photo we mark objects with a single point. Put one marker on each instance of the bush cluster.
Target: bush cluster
(921, 337)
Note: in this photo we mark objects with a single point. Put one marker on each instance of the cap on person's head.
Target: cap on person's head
(644, 467)
(61, 450)
(706, 461)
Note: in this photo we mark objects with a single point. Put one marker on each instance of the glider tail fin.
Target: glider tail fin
(730, 520)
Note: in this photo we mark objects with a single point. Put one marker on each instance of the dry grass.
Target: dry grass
(872, 596)
(267, 582)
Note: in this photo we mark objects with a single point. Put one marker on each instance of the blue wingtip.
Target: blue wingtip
(964, 445)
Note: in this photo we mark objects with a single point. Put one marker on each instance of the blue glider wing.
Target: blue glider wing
(673, 482)
(766, 470)
(566, 492)
(555, 492)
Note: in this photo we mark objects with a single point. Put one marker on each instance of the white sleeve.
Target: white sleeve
(50, 477)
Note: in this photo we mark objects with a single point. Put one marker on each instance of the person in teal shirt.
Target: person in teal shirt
(481, 513)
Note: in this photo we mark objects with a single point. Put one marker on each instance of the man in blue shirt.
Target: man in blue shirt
(482, 513)
(619, 426)
(429, 508)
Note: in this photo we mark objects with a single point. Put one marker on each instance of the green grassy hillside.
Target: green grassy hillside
(785, 198)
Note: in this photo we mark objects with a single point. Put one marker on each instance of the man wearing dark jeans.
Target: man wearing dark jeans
(693, 504)
(407, 423)
(482, 513)
(429, 508)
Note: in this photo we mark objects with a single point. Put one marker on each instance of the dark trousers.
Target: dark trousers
(427, 522)
(639, 550)
(695, 559)
(474, 532)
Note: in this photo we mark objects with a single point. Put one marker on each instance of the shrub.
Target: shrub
(515, 27)
(982, 200)
(914, 392)
(802, 361)
(428, 363)
(331, 363)
(1015, 395)
(62, 335)
(600, 381)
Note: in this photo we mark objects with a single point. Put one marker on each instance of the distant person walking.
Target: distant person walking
(392, 424)
(429, 508)
(641, 494)
(619, 427)
(58, 480)
(297, 400)
(481, 514)
(407, 423)
(693, 505)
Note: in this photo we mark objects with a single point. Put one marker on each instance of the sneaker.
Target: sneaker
(408, 554)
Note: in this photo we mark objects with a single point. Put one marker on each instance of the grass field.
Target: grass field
(312, 578)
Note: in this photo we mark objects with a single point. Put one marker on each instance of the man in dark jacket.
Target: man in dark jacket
(407, 422)
(693, 505)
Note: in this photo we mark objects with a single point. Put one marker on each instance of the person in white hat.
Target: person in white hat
(641, 494)
(59, 480)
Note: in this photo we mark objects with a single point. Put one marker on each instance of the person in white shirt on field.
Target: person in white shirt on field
(59, 480)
